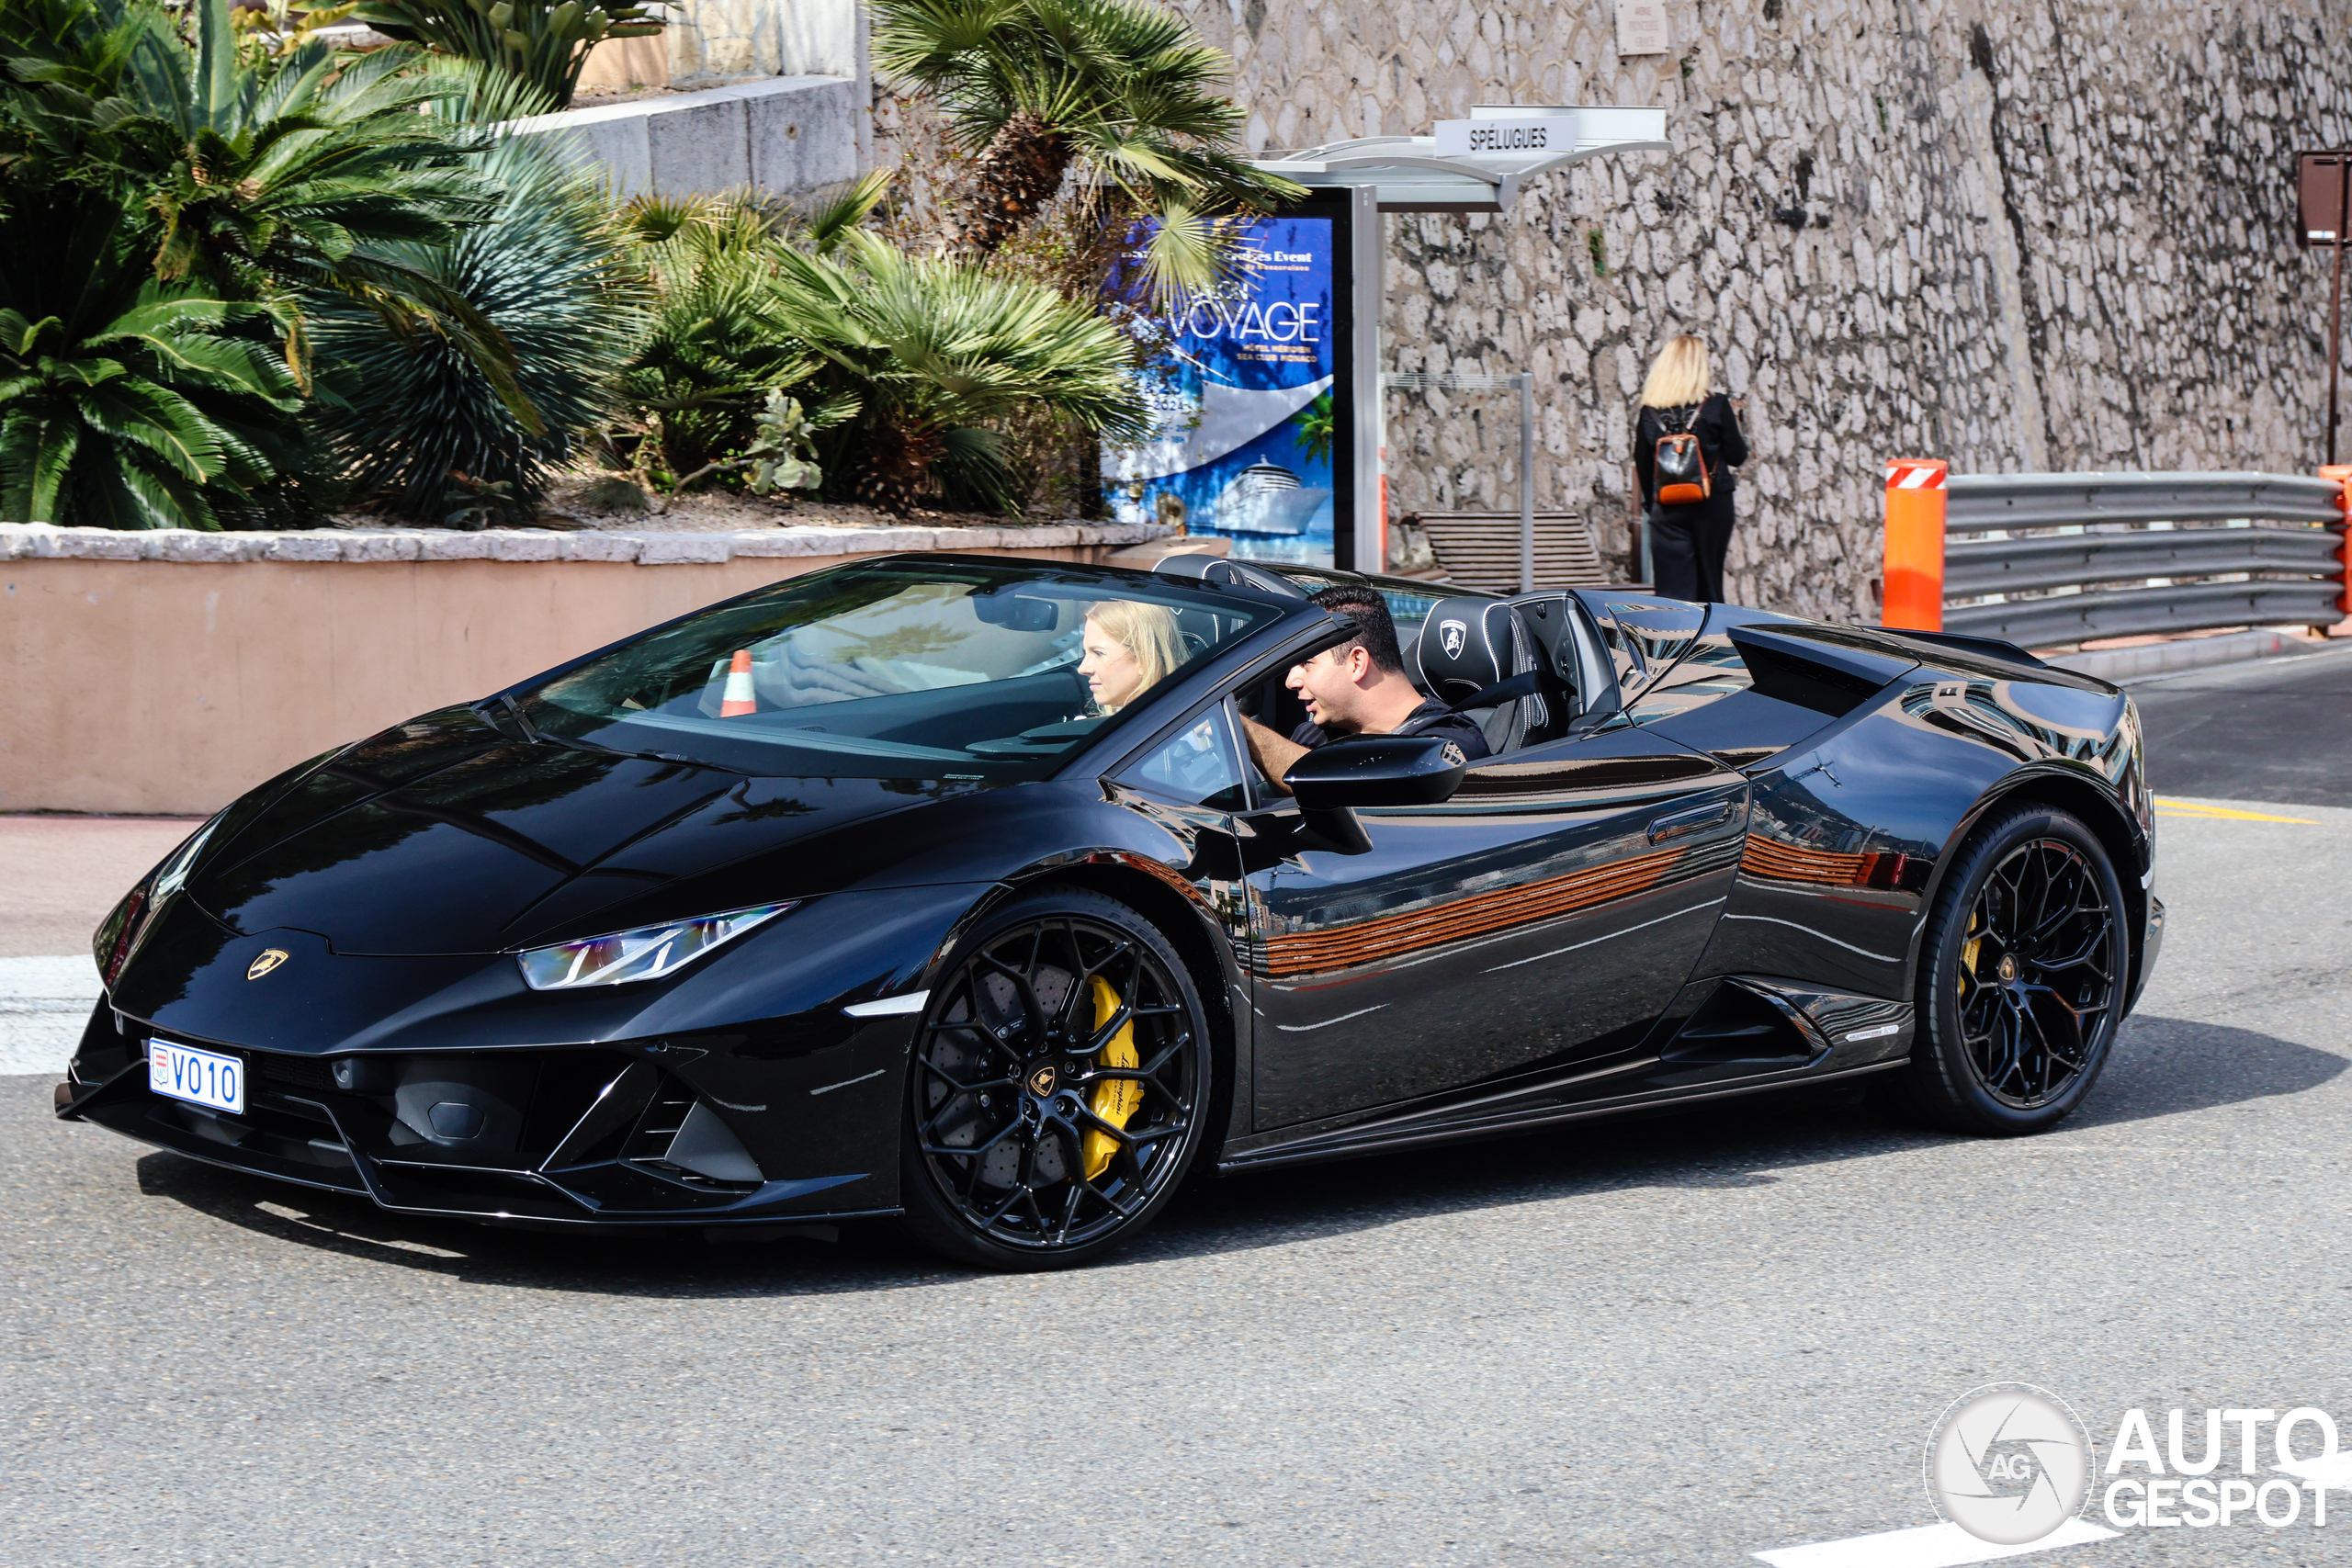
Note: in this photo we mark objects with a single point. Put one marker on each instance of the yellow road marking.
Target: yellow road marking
(2222, 813)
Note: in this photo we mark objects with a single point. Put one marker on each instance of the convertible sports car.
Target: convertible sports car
(841, 898)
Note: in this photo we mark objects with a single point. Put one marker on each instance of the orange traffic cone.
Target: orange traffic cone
(737, 698)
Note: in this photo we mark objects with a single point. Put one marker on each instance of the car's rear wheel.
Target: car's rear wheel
(2021, 979)
(1060, 1085)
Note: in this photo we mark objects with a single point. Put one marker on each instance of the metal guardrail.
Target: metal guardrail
(2266, 575)
(1975, 502)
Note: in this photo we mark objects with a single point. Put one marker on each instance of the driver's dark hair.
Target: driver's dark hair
(1375, 631)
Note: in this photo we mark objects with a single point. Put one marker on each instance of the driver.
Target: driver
(1358, 688)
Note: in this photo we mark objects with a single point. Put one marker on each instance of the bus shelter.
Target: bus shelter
(1271, 401)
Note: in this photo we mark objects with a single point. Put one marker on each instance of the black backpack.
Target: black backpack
(1681, 468)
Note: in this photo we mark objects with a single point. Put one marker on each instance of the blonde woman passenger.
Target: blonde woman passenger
(1687, 543)
(1129, 649)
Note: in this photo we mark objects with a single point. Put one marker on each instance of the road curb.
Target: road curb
(2185, 653)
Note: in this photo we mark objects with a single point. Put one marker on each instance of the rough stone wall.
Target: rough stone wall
(2047, 236)
(712, 39)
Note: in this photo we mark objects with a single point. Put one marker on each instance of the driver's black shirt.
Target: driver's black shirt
(1432, 717)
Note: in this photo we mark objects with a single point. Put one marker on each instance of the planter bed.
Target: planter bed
(166, 672)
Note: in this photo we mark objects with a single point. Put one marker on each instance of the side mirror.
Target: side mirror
(1377, 770)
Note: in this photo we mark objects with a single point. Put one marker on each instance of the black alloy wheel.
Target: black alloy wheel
(1059, 1086)
(2023, 971)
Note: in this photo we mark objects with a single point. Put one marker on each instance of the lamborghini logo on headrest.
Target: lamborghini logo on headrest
(1451, 636)
(271, 957)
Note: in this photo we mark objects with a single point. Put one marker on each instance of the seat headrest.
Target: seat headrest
(1466, 646)
(1219, 571)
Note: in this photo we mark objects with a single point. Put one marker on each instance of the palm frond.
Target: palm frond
(829, 219)
(1120, 89)
(414, 405)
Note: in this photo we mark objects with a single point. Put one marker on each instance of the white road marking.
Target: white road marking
(44, 1003)
(1308, 1028)
(1929, 1546)
(2331, 1470)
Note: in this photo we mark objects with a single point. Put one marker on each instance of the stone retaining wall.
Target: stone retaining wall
(783, 135)
(166, 672)
(2017, 236)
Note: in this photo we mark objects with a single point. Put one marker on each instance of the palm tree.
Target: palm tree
(415, 421)
(541, 43)
(129, 403)
(255, 178)
(933, 351)
(715, 348)
(1317, 429)
(1120, 90)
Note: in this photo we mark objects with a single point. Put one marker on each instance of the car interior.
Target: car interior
(929, 674)
(1457, 648)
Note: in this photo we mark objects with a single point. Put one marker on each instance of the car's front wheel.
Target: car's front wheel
(2021, 979)
(1060, 1085)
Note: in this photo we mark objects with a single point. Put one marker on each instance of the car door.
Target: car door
(1546, 913)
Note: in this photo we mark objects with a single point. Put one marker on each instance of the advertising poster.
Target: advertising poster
(1246, 436)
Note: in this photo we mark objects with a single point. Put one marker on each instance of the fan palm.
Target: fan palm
(1119, 89)
(715, 346)
(933, 351)
(130, 404)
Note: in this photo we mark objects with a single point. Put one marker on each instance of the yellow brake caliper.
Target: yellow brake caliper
(1118, 1100)
(1968, 953)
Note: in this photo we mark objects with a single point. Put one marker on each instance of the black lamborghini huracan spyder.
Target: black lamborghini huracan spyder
(837, 899)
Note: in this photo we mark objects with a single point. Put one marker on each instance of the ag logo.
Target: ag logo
(2008, 1463)
(271, 957)
(1451, 636)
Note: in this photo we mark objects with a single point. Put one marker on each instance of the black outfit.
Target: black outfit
(1432, 717)
(1687, 544)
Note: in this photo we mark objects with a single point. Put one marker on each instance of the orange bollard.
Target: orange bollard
(736, 699)
(2342, 474)
(1915, 544)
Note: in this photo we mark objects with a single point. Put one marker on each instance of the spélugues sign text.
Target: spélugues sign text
(1531, 135)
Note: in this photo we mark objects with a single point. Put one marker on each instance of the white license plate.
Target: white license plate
(200, 1077)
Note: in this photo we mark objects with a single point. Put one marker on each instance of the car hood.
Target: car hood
(446, 837)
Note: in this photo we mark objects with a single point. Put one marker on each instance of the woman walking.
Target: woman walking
(1688, 501)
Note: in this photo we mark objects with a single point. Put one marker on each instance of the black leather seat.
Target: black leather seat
(1468, 645)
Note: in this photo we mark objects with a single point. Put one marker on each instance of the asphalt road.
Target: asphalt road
(1679, 1341)
(2279, 729)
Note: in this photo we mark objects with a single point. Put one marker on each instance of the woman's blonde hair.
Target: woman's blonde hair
(1148, 632)
(1678, 375)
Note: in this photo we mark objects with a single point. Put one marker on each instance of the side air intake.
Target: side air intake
(1736, 1024)
(681, 1138)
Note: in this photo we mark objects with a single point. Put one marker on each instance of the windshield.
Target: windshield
(904, 669)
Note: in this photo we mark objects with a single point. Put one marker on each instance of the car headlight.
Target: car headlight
(646, 953)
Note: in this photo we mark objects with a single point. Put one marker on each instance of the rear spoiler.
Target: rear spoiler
(1966, 643)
